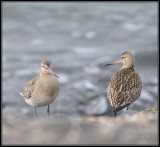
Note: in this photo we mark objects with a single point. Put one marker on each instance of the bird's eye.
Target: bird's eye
(44, 66)
(122, 57)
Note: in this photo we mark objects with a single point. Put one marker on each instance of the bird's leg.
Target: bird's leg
(35, 114)
(115, 112)
(48, 109)
(127, 107)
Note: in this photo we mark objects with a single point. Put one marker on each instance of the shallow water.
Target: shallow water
(79, 39)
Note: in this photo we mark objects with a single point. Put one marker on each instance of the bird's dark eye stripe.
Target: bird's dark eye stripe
(44, 66)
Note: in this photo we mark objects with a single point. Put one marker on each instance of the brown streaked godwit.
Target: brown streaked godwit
(43, 89)
(126, 85)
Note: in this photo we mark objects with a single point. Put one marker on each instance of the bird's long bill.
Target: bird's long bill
(56, 75)
(116, 62)
(50, 71)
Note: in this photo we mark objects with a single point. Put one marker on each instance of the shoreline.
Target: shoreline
(139, 128)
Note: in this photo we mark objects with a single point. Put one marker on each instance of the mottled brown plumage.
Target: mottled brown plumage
(43, 89)
(125, 85)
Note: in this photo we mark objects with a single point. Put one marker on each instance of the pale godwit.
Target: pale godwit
(43, 89)
(126, 85)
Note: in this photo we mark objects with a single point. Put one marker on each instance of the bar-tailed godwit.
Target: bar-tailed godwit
(43, 89)
(126, 85)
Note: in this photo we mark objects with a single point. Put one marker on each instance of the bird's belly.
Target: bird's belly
(41, 100)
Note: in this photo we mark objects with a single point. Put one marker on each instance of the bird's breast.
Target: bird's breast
(51, 86)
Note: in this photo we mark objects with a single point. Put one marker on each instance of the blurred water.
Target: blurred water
(78, 38)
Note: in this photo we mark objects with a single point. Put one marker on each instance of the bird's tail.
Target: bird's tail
(21, 94)
(121, 107)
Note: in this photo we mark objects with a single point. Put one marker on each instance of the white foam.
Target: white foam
(36, 42)
(99, 104)
(63, 78)
(89, 85)
(83, 50)
(84, 84)
(92, 69)
(45, 22)
(90, 35)
(132, 27)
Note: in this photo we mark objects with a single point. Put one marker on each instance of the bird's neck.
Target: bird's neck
(130, 67)
(45, 74)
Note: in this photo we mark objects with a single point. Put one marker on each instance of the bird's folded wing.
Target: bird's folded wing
(28, 90)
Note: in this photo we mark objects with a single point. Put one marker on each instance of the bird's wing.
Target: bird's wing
(115, 91)
(135, 86)
(28, 90)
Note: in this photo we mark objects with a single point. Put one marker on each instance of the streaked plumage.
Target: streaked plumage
(126, 85)
(43, 89)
